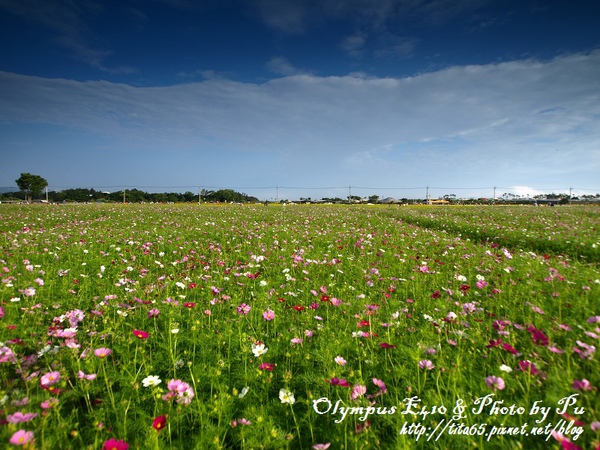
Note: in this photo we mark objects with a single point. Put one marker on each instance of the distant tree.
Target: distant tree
(374, 199)
(31, 185)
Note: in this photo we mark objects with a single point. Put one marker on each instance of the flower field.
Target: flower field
(308, 326)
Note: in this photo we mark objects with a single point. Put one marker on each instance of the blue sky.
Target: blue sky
(386, 96)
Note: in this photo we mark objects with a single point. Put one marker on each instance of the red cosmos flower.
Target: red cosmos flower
(191, 286)
(189, 304)
(140, 334)
(576, 422)
(386, 345)
(538, 336)
(113, 444)
(494, 343)
(509, 348)
(267, 366)
(335, 381)
(363, 323)
(299, 308)
(324, 298)
(159, 422)
(436, 294)
(528, 366)
(464, 288)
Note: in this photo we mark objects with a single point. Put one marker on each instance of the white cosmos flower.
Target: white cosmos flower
(244, 392)
(259, 349)
(286, 396)
(151, 380)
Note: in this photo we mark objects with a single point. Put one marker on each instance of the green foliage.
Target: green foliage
(31, 185)
(365, 283)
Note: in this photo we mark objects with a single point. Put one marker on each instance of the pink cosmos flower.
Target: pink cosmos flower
(243, 309)
(83, 376)
(102, 352)
(340, 360)
(358, 391)
(180, 390)
(154, 312)
(50, 379)
(21, 437)
(481, 284)
(583, 385)
(495, 383)
(587, 352)
(381, 385)
(426, 364)
(336, 301)
(296, 341)
(269, 314)
(321, 446)
(50, 403)
(19, 417)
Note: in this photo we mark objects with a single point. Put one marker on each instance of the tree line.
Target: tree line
(32, 188)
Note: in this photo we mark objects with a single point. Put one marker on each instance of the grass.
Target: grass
(424, 305)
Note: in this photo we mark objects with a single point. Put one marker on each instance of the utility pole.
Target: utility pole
(349, 194)
(494, 198)
(199, 196)
(124, 189)
(427, 196)
(570, 193)
(277, 195)
(46, 194)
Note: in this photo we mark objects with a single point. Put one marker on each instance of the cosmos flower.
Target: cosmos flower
(269, 314)
(340, 361)
(102, 352)
(140, 334)
(50, 378)
(259, 349)
(243, 309)
(495, 383)
(159, 422)
(21, 437)
(286, 396)
(151, 380)
(267, 366)
(113, 444)
(426, 364)
(358, 391)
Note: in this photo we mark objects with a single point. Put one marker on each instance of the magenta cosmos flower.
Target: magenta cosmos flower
(140, 334)
(113, 444)
(269, 314)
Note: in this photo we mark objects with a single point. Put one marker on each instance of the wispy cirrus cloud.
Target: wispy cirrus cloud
(66, 21)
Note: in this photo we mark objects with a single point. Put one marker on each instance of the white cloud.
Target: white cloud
(281, 66)
(520, 123)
